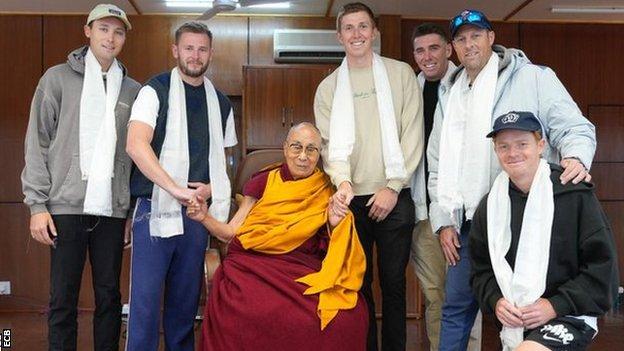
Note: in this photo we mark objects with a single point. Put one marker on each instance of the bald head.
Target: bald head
(301, 149)
(304, 127)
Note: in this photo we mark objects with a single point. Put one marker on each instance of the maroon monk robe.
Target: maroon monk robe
(255, 303)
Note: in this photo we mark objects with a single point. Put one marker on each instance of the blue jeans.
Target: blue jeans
(460, 306)
(172, 267)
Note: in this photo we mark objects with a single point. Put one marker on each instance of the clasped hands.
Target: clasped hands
(529, 317)
(194, 198)
(381, 203)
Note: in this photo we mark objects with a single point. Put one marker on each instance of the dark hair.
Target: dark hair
(430, 28)
(192, 27)
(354, 7)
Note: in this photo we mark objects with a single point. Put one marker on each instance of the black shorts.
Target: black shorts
(563, 334)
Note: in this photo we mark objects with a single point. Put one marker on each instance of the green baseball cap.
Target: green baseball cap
(108, 10)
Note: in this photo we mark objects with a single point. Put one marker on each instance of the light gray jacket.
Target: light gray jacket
(521, 86)
(418, 185)
(51, 179)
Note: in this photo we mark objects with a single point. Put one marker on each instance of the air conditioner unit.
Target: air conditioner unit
(310, 46)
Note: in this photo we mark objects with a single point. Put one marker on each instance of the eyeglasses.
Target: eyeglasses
(297, 149)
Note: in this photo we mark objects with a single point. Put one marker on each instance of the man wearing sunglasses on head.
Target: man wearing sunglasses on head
(491, 80)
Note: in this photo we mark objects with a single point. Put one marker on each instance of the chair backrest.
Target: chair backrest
(254, 162)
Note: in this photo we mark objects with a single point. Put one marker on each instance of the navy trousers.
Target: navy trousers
(460, 305)
(168, 270)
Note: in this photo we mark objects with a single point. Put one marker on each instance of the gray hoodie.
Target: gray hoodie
(51, 179)
(521, 86)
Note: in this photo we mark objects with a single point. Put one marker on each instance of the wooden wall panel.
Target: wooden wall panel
(608, 168)
(12, 161)
(507, 34)
(609, 123)
(390, 29)
(607, 176)
(230, 53)
(61, 35)
(261, 34)
(147, 48)
(20, 69)
(585, 57)
(23, 261)
(615, 211)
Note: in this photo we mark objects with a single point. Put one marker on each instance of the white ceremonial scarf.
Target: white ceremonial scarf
(465, 152)
(527, 282)
(97, 133)
(342, 120)
(166, 217)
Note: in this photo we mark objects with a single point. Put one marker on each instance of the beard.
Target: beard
(193, 73)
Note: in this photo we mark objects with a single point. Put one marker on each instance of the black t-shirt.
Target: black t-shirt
(198, 136)
(430, 99)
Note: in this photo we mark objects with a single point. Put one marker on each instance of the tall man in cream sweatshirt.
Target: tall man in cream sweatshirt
(369, 112)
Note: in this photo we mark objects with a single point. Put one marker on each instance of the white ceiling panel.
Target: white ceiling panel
(59, 6)
(535, 10)
(442, 9)
(297, 7)
(540, 10)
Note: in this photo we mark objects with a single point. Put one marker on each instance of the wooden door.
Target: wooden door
(301, 84)
(264, 112)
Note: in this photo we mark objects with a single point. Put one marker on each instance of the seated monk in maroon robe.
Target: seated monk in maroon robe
(291, 277)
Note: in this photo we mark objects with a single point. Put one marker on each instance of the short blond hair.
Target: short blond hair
(354, 7)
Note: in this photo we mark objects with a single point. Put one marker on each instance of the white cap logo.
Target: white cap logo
(510, 118)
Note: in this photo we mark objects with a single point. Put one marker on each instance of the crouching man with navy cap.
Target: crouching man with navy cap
(543, 255)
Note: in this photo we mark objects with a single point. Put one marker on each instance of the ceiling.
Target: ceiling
(508, 10)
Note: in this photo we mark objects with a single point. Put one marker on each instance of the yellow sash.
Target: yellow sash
(287, 215)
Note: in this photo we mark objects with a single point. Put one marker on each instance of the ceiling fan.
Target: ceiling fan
(219, 6)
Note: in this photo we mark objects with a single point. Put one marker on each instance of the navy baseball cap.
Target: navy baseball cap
(518, 120)
(474, 17)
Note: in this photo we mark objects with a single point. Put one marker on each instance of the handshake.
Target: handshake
(194, 198)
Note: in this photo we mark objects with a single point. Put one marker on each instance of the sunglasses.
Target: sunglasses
(470, 17)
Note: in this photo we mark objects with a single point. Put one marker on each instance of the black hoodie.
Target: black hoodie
(582, 268)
